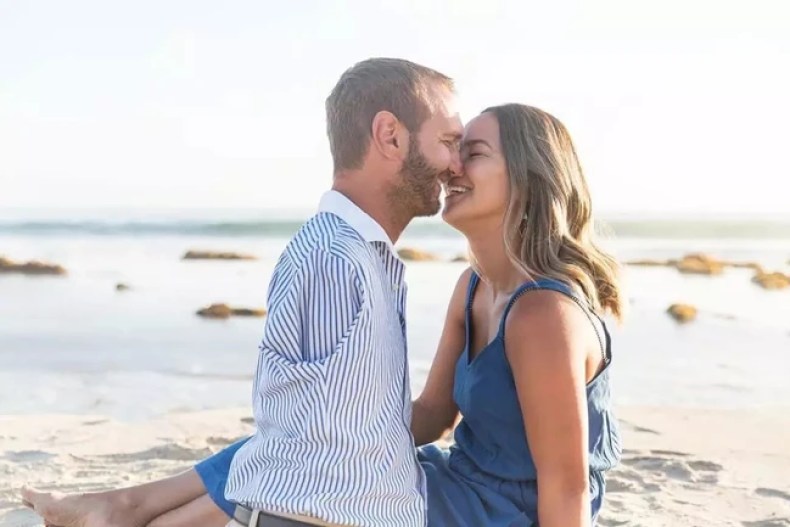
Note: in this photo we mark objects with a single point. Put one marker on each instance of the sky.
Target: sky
(676, 106)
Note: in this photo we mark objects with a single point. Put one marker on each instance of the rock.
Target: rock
(223, 311)
(650, 263)
(682, 312)
(699, 264)
(122, 287)
(745, 265)
(696, 263)
(30, 268)
(414, 255)
(773, 281)
(247, 312)
(210, 255)
(461, 258)
(215, 311)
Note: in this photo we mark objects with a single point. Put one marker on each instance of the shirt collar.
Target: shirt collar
(336, 203)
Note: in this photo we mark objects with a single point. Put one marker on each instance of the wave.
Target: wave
(677, 229)
(210, 228)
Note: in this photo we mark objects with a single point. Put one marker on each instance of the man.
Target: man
(331, 399)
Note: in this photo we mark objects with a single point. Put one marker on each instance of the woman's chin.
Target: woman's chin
(452, 218)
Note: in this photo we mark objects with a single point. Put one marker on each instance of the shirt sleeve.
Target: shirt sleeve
(314, 305)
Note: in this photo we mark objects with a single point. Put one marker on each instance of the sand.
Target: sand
(682, 467)
(702, 468)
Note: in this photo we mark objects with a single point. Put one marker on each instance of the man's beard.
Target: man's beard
(415, 194)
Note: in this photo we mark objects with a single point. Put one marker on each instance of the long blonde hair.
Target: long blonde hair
(549, 228)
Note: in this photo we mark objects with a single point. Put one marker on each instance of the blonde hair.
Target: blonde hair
(401, 87)
(549, 228)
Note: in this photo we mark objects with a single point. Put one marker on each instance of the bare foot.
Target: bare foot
(100, 509)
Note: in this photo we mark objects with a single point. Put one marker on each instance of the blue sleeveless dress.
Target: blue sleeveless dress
(488, 477)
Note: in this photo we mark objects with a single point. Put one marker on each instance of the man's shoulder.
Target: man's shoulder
(328, 235)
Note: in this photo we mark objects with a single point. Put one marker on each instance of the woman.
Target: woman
(524, 356)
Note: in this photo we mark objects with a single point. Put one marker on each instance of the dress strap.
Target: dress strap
(555, 285)
(470, 291)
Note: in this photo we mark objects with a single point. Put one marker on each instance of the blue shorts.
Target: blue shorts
(214, 473)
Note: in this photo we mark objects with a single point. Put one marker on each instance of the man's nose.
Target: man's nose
(456, 167)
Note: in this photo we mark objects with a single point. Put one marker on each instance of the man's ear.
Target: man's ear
(387, 135)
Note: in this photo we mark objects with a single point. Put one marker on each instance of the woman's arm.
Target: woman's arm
(434, 411)
(546, 342)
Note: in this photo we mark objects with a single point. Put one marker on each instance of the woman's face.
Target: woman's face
(479, 195)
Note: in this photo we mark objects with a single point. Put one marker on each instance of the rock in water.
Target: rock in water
(650, 263)
(699, 264)
(772, 281)
(745, 265)
(247, 312)
(215, 311)
(30, 268)
(223, 311)
(415, 255)
(211, 255)
(682, 312)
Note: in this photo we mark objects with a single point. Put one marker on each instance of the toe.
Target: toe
(30, 496)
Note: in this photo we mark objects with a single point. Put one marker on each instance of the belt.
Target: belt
(256, 518)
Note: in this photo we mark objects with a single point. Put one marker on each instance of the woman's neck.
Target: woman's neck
(496, 269)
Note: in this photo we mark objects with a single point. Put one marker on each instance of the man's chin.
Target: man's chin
(430, 209)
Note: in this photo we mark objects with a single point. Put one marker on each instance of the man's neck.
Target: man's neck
(373, 202)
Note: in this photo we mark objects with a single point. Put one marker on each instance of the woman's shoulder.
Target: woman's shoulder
(543, 315)
(461, 291)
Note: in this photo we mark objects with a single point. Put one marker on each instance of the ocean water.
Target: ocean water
(75, 345)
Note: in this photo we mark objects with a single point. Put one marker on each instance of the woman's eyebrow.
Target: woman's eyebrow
(472, 142)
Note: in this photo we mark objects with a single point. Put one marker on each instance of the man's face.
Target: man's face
(432, 158)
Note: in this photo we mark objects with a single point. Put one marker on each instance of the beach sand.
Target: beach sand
(682, 467)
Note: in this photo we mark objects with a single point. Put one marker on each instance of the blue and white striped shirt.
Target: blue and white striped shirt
(331, 397)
